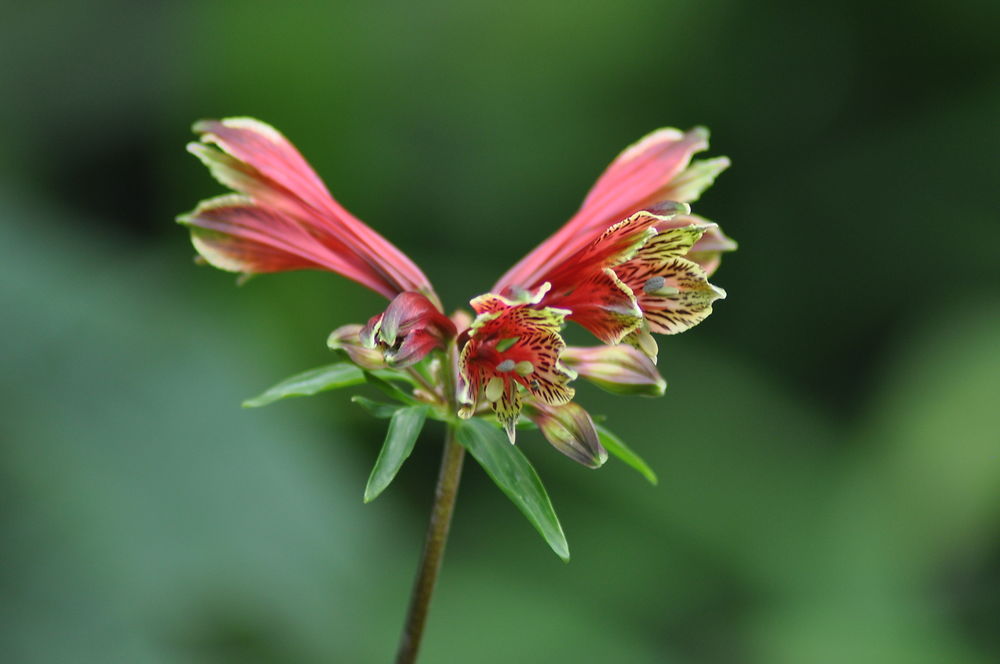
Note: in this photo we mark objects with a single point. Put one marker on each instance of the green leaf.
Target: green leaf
(515, 476)
(404, 427)
(310, 382)
(389, 389)
(615, 445)
(379, 409)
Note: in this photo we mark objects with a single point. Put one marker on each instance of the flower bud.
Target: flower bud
(570, 430)
(409, 329)
(618, 369)
(348, 339)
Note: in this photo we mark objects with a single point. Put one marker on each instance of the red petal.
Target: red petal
(604, 305)
(629, 184)
(234, 234)
(257, 160)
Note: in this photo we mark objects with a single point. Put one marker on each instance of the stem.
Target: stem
(422, 381)
(437, 536)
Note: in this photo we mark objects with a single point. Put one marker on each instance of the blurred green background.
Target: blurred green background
(828, 449)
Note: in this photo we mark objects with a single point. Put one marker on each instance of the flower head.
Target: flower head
(513, 344)
(632, 262)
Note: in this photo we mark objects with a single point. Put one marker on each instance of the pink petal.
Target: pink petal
(234, 234)
(632, 182)
(255, 159)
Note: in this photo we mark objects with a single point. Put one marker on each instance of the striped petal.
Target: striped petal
(615, 245)
(510, 348)
(673, 293)
(707, 251)
(605, 306)
(647, 173)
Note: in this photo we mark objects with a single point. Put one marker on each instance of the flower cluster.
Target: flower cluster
(632, 262)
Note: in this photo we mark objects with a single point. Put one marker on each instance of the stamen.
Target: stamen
(647, 344)
(652, 285)
(656, 286)
(494, 388)
(505, 366)
(524, 368)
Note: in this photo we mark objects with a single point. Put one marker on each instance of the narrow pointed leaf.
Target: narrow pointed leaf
(378, 409)
(516, 477)
(614, 445)
(389, 389)
(307, 383)
(404, 427)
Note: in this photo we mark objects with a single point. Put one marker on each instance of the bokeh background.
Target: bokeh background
(829, 447)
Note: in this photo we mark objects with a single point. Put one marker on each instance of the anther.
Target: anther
(494, 389)
(524, 368)
(652, 285)
(647, 344)
(506, 365)
(657, 286)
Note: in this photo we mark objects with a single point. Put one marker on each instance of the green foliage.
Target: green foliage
(515, 476)
(375, 380)
(616, 446)
(308, 383)
(404, 427)
(377, 409)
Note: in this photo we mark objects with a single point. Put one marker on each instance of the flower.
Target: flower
(409, 329)
(513, 344)
(632, 262)
(654, 170)
(282, 217)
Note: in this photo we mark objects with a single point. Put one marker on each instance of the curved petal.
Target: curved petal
(409, 329)
(509, 347)
(673, 293)
(707, 251)
(642, 176)
(253, 158)
(605, 306)
(615, 245)
(234, 234)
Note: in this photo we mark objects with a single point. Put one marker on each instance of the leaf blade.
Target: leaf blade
(377, 409)
(514, 474)
(389, 389)
(615, 445)
(308, 383)
(404, 427)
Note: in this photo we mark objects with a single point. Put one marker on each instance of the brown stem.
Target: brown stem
(437, 536)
